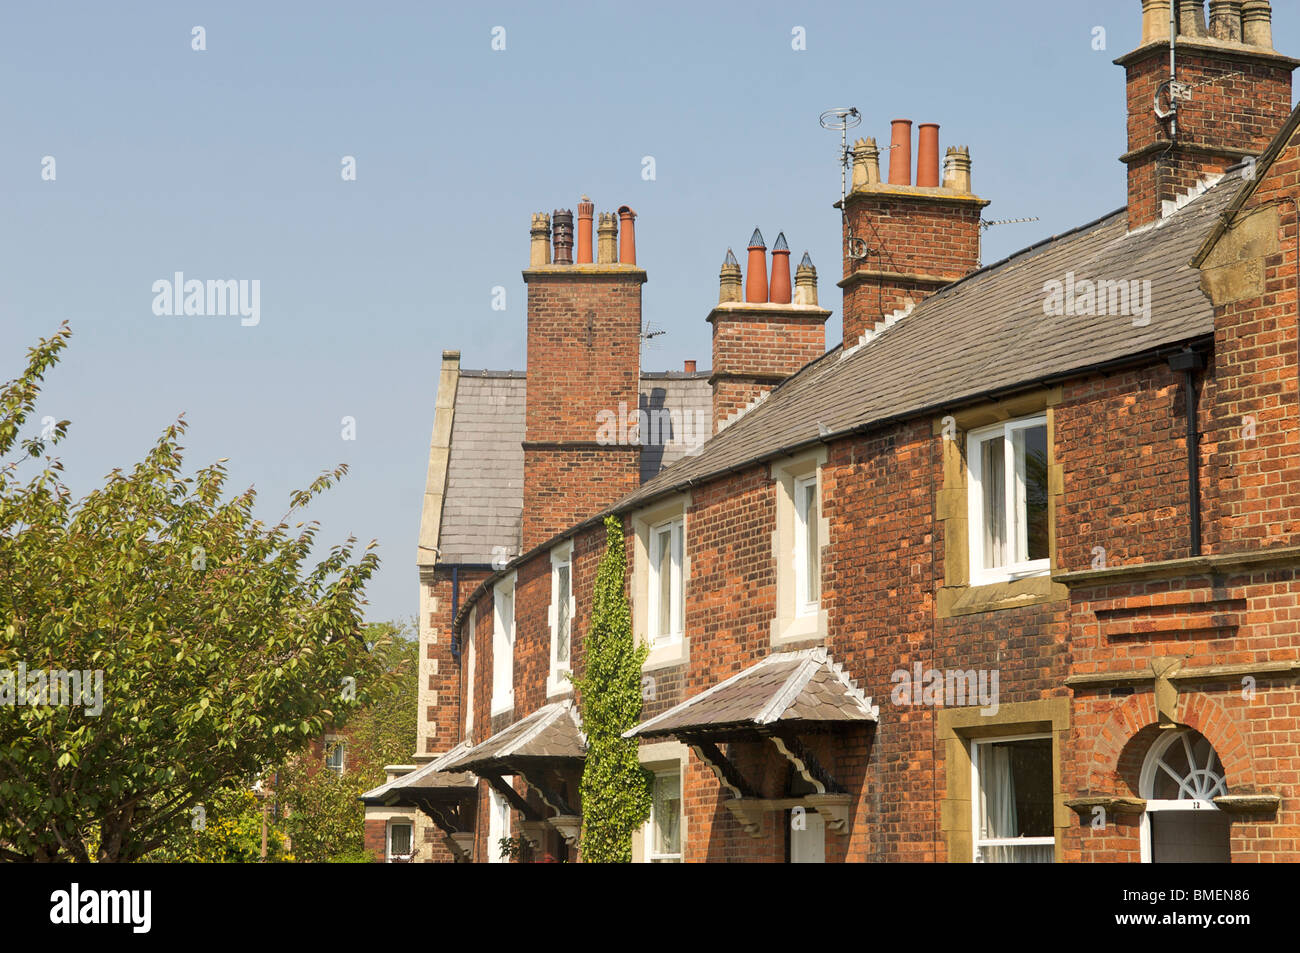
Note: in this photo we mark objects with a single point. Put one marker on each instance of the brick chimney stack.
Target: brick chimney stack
(903, 242)
(1237, 95)
(584, 354)
(758, 343)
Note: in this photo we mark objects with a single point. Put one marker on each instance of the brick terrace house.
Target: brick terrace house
(1007, 575)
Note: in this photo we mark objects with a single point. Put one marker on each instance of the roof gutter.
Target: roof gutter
(1158, 353)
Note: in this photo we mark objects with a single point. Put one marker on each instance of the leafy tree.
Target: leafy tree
(615, 788)
(221, 650)
(326, 821)
(226, 830)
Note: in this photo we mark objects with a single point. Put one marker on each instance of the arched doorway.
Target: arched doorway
(1180, 777)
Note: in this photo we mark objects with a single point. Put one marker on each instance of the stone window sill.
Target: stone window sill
(956, 601)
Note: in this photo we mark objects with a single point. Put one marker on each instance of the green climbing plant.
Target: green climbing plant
(615, 788)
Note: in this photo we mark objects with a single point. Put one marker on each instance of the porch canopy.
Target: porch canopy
(774, 700)
(541, 748)
(447, 797)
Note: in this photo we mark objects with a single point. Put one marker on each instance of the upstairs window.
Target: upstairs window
(807, 546)
(666, 608)
(1007, 491)
(468, 632)
(561, 618)
(503, 646)
(335, 755)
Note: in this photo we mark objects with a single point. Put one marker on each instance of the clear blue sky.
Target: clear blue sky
(226, 164)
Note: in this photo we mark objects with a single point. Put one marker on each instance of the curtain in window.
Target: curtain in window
(679, 609)
(667, 814)
(999, 801)
(994, 487)
(400, 835)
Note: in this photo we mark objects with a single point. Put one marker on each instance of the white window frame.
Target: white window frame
(675, 530)
(980, 574)
(975, 826)
(389, 856)
(336, 743)
(503, 647)
(498, 821)
(556, 682)
(469, 656)
(803, 605)
(675, 770)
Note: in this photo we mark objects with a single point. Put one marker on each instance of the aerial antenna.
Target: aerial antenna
(1000, 221)
(845, 118)
(648, 333)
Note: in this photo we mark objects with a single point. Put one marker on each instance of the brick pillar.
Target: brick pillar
(1240, 95)
(584, 350)
(756, 345)
(902, 243)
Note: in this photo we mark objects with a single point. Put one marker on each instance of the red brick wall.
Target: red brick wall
(376, 839)
(753, 350)
(584, 350)
(1238, 114)
(906, 235)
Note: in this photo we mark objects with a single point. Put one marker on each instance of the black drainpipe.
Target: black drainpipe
(1189, 362)
(455, 605)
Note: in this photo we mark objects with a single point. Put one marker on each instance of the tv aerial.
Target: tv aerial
(844, 118)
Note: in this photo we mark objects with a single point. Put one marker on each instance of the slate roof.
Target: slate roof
(552, 731)
(484, 498)
(982, 335)
(803, 687)
(429, 780)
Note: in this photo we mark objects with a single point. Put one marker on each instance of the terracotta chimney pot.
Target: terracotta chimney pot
(900, 152)
(586, 211)
(927, 156)
(688, 367)
(779, 290)
(627, 242)
(756, 273)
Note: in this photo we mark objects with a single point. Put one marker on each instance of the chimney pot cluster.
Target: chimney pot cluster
(1230, 21)
(555, 231)
(956, 167)
(757, 289)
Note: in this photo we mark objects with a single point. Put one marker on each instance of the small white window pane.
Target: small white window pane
(400, 840)
(994, 492)
(667, 818)
(664, 576)
(678, 607)
(811, 548)
(562, 616)
(1029, 450)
